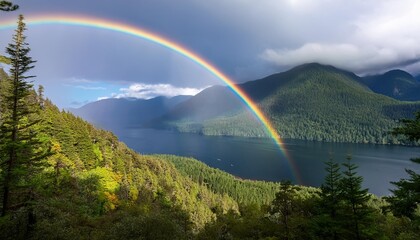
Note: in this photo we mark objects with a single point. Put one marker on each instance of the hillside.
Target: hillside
(311, 102)
(94, 187)
(118, 113)
(397, 84)
(97, 175)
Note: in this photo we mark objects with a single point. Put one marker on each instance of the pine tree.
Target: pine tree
(21, 149)
(330, 200)
(406, 196)
(8, 6)
(354, 200)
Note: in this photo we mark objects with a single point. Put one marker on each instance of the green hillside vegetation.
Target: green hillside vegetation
(94, 187)
(92, 178)
(311, 102)
(245, 192)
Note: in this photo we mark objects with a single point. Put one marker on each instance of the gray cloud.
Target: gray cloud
(379, 40)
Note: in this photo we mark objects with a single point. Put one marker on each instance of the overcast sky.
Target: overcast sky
(246, 39)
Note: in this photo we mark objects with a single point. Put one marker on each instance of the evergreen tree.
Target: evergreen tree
(355, 198)
(8, 6)
(21, 148)
(330, 202)
(282, 208)
(406, 197)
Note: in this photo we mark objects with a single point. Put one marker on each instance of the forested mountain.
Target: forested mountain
(311, 101)
(117, 113)
(92, 177)
(92, 186)
(397, 84)
(209, 103)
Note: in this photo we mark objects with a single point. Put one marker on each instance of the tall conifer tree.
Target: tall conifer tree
(355, 199)
(8, 6)
(330, 201)
(21, 150)
(406, 196)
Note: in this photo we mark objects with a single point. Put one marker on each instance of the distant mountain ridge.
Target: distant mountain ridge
(311, 101)
(397, 84)
(114, 113)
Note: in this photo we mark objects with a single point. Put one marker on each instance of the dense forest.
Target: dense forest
(61, 178)
(309, 102)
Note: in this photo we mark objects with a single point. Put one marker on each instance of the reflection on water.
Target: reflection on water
(262, 160)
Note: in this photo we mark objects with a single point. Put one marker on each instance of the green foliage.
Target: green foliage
(355, 198)
(245, 192)
(8, 6)
(310, 102)
(23, 147)
(124, 195)
(326, 223)
(93, 185)
(406, 197)
(289, 212)
(5, 60)
(410, 128)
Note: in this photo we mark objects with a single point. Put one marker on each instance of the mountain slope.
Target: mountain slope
(397, 84)
(312, 101)
(95, 187)
(125, 177)
(118, 113)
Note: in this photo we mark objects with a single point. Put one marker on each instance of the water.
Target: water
(261, 159)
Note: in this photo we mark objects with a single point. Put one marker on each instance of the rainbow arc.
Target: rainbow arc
(111, 25)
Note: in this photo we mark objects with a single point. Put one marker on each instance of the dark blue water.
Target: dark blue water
(261, 159)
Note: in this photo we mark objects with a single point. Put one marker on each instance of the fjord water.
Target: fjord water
(261, 159)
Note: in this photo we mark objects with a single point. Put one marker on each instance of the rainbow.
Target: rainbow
(106, 24)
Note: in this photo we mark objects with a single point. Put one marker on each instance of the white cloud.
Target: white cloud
(102, 98)
(80, 80)
(84, 87)
(147, 91)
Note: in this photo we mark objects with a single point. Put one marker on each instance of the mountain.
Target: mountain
(397, 84)
(311, 101)
(115, 113)
(417, 78)
(94, 187)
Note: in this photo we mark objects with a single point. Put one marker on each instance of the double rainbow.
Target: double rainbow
(100, 23)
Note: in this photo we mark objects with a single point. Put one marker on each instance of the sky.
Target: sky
(245, 39)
